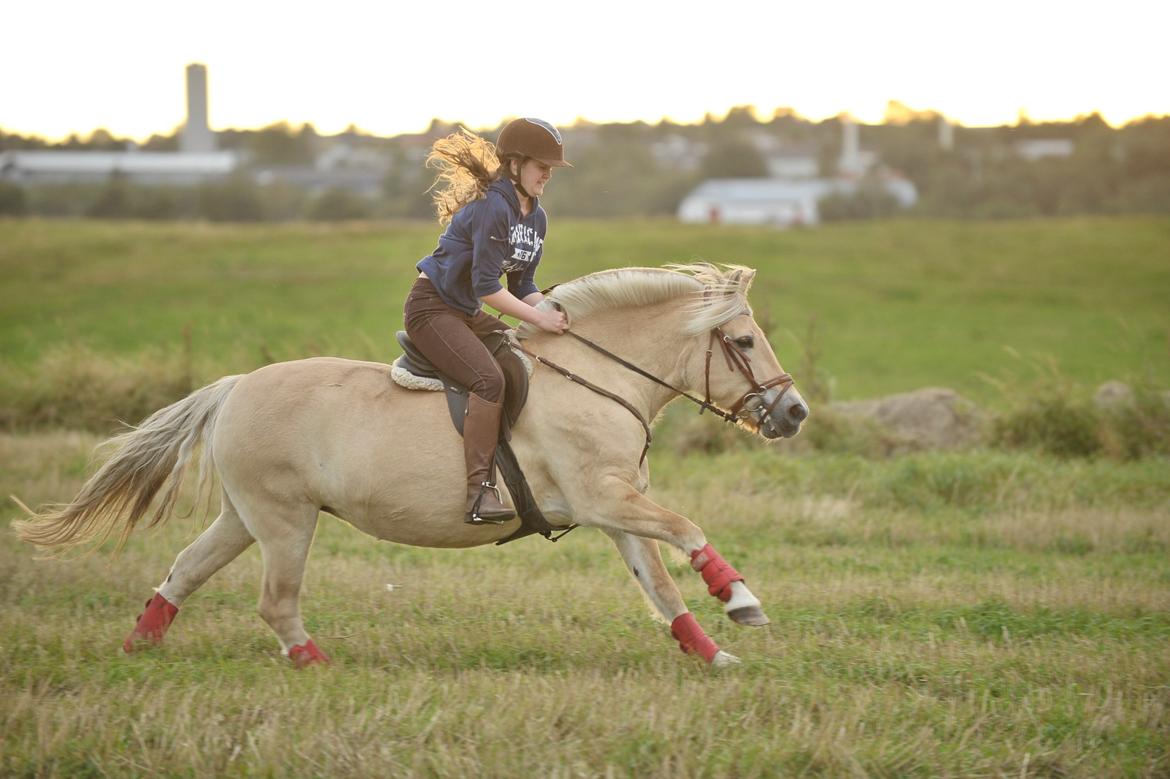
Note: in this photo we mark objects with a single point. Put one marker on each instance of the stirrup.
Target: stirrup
(473, 517)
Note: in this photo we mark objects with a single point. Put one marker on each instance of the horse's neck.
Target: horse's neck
(650, 337)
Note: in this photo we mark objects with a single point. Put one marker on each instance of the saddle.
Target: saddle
(415, 372)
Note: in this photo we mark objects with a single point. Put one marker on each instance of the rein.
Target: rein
(600, 391)
(732, 354)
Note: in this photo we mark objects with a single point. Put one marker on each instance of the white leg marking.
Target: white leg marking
(724, 659)
(741, 597)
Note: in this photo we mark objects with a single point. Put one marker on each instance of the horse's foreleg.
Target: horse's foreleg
(644, 560)
(217, 546)
(622, 507)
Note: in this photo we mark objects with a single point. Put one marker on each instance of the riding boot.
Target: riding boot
(481, 433)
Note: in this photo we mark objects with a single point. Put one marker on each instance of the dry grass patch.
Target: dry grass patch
(905, 642)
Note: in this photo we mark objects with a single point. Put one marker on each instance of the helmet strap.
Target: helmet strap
(515, 179)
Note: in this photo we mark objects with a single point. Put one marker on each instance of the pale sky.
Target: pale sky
(388, 67)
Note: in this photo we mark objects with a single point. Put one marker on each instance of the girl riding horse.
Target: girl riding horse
(489, 199)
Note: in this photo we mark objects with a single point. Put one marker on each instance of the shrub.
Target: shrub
(336, 205)
(12, 200)
(1051, 423)
(76, 388)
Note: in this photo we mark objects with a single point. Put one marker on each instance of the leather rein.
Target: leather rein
(750, 402)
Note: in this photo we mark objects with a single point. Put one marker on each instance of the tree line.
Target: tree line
(644, 170)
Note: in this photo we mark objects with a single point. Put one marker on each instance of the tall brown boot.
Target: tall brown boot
(481, 433)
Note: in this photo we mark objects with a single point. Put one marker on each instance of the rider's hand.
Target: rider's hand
(552, 321)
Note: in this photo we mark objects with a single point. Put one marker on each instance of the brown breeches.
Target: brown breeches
(451, 340)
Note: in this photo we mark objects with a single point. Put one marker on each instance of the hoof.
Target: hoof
(749, 615)
(307, 654)
(724, 660)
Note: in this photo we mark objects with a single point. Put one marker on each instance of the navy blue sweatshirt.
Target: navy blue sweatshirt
(486, 239)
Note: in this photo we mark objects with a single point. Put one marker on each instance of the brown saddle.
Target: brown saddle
(515, 395)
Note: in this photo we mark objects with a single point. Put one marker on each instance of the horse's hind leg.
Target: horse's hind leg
(284, 529)
(218, 545)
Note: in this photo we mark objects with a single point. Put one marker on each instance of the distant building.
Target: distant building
(778, 202)
(139, 167)
(793, 162)
(1032, 149)
(365, 182)
(196, 162)
(677, 152)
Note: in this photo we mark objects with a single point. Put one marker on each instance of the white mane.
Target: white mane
(714, 294)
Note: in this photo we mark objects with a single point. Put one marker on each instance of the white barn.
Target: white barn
(773, 201)
(140, 167)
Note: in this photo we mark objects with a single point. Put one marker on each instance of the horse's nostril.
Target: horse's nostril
(798, 412)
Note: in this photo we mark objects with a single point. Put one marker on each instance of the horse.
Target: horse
(293, 439)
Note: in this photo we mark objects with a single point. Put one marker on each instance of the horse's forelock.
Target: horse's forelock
(715, 294)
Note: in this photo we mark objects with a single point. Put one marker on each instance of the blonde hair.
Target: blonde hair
(467, 166)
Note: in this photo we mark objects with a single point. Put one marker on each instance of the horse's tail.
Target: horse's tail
(145, 459)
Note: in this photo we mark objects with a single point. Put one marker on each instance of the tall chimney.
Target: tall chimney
(850, 162)
(197, 135)
(946, 133)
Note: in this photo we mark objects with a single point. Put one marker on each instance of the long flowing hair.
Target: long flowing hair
(467, 166)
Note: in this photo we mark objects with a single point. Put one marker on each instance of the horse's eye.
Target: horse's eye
(745, 341)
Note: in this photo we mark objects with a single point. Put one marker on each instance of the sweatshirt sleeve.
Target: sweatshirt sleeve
(490, 245)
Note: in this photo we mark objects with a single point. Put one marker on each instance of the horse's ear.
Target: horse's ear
(742, 278)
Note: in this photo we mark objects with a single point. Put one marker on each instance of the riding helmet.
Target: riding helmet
(534, 138)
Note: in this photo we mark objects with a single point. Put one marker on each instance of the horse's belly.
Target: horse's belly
(384, 459)
(420, 515)
(400, 476)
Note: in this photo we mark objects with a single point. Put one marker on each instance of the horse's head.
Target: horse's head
(739, 370)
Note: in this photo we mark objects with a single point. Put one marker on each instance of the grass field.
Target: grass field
(976, 613)
(895, 305)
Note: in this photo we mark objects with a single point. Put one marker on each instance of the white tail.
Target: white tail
(146, 458)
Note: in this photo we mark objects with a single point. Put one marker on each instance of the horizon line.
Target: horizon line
(1024, 120)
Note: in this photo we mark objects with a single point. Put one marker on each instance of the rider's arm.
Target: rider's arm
(507, 303)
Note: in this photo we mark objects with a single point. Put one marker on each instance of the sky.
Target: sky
(390, 67)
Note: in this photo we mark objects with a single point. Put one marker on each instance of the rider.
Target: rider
(488, 198)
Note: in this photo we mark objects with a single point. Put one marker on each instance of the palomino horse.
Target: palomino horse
(292, 439)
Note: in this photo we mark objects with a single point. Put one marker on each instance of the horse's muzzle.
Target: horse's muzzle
(786, 417)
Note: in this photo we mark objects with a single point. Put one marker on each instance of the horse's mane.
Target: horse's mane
(714, 293)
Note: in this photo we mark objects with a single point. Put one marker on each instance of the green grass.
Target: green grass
(897, 305)
(974, 614)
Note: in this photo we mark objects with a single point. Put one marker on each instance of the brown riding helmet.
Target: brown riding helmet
(533, 138)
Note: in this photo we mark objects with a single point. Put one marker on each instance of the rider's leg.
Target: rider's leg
(448, 339)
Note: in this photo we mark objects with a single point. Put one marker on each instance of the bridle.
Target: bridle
(751, 403)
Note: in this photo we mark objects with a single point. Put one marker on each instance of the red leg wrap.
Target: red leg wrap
(717, 572)
(152, 623)
(691, 637)
(306, 654)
